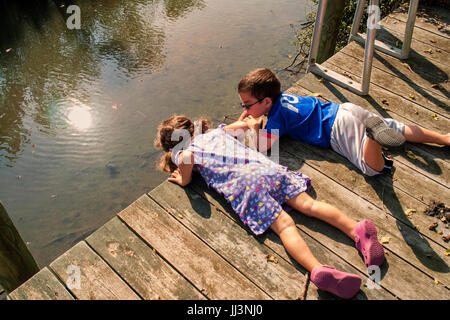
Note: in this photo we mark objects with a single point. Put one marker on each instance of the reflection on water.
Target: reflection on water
(79, 116)
(79, 108)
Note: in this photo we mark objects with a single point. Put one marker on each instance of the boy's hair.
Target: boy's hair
(164, 137)
(261, 83)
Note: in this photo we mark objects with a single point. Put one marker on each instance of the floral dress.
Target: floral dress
(255, 186)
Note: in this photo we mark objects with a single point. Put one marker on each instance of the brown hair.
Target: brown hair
(164, 137)
(261, 83)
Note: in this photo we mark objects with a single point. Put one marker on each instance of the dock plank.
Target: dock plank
(430, 38)
(381, 191)
(202, 266)
(231, 241)
(416, 70)
(419, 95)
(426, 20)
(399, 102)
(272, 241)
(97, 280)
(142, 268)
(405, 244)
(42, 286)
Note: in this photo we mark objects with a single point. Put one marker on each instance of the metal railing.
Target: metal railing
(370, 44)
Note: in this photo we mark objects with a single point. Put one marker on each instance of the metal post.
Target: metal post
(414, 4)
(316, 34)
(357, 19)
(402, 53)
(370, 41)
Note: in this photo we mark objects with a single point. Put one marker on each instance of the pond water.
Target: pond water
(79, 108)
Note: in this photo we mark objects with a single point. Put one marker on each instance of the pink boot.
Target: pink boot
(342, 284)
(367, 243)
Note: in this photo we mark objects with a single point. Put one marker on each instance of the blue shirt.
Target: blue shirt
(306, 119)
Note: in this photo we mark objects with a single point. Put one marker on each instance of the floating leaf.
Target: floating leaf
(385, 239)
(411, 155)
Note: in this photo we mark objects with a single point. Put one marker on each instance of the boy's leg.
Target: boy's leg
(422, 135)
(373, 155)
(323, 211)
(285, 228)
(349, 139)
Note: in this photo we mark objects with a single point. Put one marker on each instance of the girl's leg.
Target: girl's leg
(285, 228)
(323, 211)
(342, 284)
(422, 135)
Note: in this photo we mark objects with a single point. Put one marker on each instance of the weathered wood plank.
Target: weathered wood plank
(232, 242)
(272, 241)
(405, 242)
(431, 53)
(416, 71)
(424, 22)
(419, 34)
(97, 280)
(404, 87)
(42, 286)
(203, 267)
(395, 197)
(434, 162)
(141, 267)
(399, 103)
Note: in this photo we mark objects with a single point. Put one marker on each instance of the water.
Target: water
(79, 108)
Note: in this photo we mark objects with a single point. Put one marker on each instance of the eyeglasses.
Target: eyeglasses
(248, 106)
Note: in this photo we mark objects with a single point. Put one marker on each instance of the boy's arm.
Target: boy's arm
(264, 140)
(183, 175)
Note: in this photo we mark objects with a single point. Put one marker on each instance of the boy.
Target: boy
(348, 129)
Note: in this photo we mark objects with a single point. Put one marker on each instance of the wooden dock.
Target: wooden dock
(186, 243)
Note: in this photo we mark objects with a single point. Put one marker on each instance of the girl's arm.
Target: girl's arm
(236, 126)
(183, 175)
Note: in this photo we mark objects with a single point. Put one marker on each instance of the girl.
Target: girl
(256, 188)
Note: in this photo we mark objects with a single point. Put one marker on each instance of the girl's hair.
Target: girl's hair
(261, 83)
(164, 137)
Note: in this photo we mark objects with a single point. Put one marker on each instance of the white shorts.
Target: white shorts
(348, 135)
